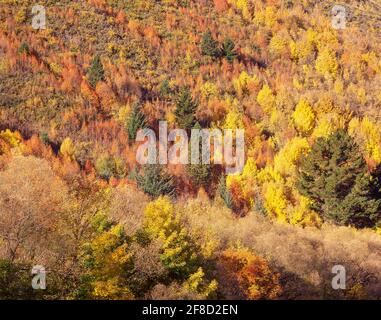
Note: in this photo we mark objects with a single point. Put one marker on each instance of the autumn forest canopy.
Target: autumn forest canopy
(74, 198)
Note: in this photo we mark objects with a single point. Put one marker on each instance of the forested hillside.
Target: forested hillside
(74, 199)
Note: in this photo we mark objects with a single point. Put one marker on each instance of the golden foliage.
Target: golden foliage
(367, 135)
(266, 98)
(246, 276)
(9, 140)
(288, 158)
(326, 63)
(304, 117)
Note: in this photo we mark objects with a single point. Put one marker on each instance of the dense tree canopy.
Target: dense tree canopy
(74, 198)
(335, 177)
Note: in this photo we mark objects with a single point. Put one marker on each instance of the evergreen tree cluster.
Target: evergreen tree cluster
(136, 120)
(96, 72)
(155, 181)
(335, 177)
(210, 47)
(185, 110)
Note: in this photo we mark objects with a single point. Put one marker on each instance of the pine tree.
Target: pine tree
(185, 109)
(209, 46)
(200, 174)
(24, 48)
(95, 72)
(228, 51)
(155, 182)
(224, 193)
(334, 176)
(165, 89)
(136, 121)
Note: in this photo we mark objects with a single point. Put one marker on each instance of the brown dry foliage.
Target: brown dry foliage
(127, 206)
(31, 200)
(304, 257)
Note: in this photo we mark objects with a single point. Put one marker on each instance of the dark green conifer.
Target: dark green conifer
(209, 46)
(335, 177)
(224, 193)
(185, 109)
(155, 181)
(95, 72)
(200, 173)
(228, 51)
(136, 120)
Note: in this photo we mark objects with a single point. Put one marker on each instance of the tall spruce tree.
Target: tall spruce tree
(228, 51)
(24, 48)
(224, 192)
(155, 181)
(96, 72)
(334, 176)
(165, 89)
(209, 46)
(185, 109)
(200, 173)
(136, 120)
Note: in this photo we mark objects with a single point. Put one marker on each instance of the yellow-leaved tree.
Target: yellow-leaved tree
(278, 43)
(287, 159)
(161, 221)
(9, 140)
(266, 98)
(233, 119)
(280, 199)
(368, 136)
(243, 186)
(304, 117)
(326, 63)
(208, 89)
(285, 205)
(275, 201)
(327, 124)
(244, 6)
(67, 149)
(244, 82)
(180, 254)
(109, 265)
